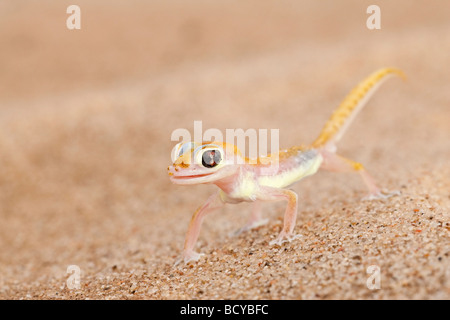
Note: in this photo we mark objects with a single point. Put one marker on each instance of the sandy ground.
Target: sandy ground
(85, 124)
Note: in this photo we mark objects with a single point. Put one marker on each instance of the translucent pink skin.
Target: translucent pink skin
(238, 180)
(231, 177)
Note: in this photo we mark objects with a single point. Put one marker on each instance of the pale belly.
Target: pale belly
(305, 164)
(248, 187)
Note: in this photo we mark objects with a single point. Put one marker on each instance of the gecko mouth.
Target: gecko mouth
(191, 176)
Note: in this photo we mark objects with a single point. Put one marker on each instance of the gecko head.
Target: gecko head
(195, 163)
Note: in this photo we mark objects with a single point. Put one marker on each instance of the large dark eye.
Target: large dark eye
(211, 158)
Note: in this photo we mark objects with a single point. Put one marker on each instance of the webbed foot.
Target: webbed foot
(188, 257)
(380, 195)
(284, 237)
(250, 226)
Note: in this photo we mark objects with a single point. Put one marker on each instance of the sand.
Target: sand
(85, 123)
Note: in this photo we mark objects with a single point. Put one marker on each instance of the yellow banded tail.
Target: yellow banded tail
(342, 117)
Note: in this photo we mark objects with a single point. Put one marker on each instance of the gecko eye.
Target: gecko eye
(211, 158)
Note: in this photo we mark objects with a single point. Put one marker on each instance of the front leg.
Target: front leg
(290, 214)
(193, 232)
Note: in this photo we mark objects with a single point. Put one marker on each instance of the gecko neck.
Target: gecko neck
(228, 184)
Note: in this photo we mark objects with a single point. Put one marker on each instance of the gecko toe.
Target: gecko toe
(189, 257)
(283, 237)
(249, 226)
(380, 195)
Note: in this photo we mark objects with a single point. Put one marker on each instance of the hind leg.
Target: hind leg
(254, 221)
(336, 163)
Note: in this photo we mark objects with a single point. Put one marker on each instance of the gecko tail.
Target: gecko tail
(343, 116)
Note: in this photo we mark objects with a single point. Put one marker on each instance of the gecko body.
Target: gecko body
(268, 179)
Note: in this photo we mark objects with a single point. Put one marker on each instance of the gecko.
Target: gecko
(269, 178)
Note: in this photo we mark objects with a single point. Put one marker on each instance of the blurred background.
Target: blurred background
(86, 115)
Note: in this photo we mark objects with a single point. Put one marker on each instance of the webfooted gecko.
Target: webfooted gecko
(268, 179)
